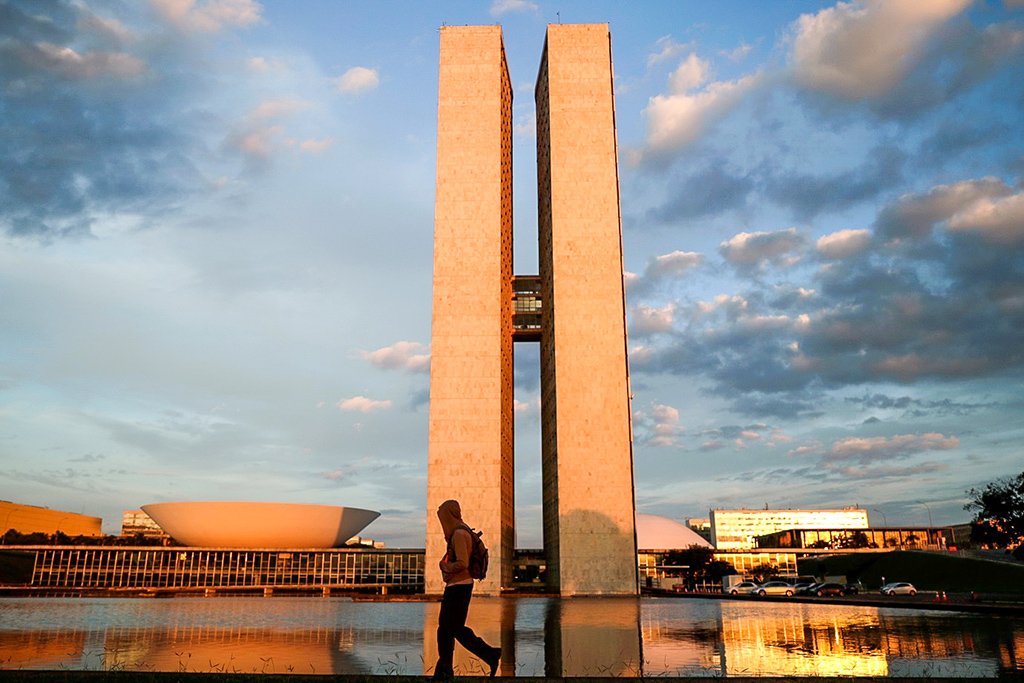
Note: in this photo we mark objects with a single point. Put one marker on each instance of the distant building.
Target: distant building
(32, 519)
(138, 523)
(701, 525)
(737, 529)
(363, 542)
(892, 538)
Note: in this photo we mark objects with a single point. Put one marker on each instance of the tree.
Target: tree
(763, 572)
(998, 513)
(695, 558)
(700, 564)
(858, 539)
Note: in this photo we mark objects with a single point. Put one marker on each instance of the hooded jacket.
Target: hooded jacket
(449, 513)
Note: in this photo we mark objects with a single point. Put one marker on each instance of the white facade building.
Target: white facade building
(736, 529)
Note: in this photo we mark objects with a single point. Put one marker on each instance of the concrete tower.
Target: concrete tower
(574, 308)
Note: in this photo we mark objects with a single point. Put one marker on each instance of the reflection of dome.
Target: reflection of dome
(661, 533)
(222, 524)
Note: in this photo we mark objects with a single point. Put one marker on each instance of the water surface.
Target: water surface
(540, 636)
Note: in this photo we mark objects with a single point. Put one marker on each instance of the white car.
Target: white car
(774, 588)
(898, 588)
(744, 588)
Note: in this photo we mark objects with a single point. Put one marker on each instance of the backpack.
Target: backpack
(478, 555)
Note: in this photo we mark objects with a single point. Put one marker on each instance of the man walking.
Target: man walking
(458, 591)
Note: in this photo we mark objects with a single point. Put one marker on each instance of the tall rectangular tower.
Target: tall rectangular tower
(578, 314)
(471, 401)
(587, 461)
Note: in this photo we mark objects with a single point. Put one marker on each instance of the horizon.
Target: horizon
(216, 228)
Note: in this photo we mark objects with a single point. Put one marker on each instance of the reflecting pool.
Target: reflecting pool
(540, 636)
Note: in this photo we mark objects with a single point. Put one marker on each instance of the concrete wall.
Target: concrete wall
(587, 443)
(471, 430)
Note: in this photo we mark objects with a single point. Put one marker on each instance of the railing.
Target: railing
(151, 568)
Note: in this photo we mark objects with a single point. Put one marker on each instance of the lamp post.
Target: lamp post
(929, 512)
(884, 522)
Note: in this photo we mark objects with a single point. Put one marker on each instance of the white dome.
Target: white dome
(224, 524)
(661, 533)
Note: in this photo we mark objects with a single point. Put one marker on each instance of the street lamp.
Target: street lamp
(929, 512)
(884, 522)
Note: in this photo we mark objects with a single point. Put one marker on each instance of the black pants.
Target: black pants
(451, 626)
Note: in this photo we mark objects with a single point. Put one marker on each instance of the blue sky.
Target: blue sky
(216, 234)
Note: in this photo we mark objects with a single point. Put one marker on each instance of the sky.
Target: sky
(216, 249)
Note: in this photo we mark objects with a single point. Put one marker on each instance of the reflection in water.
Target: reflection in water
(539, 636)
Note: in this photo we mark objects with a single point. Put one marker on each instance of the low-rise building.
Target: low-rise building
(737, 529)
(138, 523)
(32, 519)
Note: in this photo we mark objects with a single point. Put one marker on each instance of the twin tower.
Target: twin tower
(575, 309)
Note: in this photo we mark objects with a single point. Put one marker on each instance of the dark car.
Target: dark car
(827, 589)
(852, 588)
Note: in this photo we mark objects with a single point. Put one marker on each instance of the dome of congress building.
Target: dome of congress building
(223, 524)
(661, 533)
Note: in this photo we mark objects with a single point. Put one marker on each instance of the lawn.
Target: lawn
(926, 570)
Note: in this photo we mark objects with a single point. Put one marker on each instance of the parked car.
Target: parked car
(853, 588)
(826, 589)
(774, 588)
(803, 588)
(898, 588)
(743, 588)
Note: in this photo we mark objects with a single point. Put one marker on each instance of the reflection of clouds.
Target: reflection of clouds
(540, 636)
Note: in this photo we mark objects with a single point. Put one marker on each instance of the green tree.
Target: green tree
(858, 539)
(700, 564)
(763, 572)
(998, 513)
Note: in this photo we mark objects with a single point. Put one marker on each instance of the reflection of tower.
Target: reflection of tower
(589, 535)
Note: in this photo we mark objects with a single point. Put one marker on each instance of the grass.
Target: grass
(927, 571)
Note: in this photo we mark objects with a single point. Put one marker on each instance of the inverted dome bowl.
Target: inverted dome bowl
(222, 524)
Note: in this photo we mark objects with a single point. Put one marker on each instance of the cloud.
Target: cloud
(313, 146)
(278, 107)
(257, 136)
(738, 53)
(710, 190)
(667, 49)
(662, 269)
(646, 320)
(941, 307)
(755, 250)
(209, 16)
(357, 79)
(691, 73)
(872, 449)
(973, 202)
(999, 220)
(843, 244)
(659, 426)
(70, 64)
(809, 195)
(917, 407)
(677, 118)
(334, 475)
(499, 7)
(859, 50)
(402, 355)
(525, 125)
(362, 404)
(673, 264)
